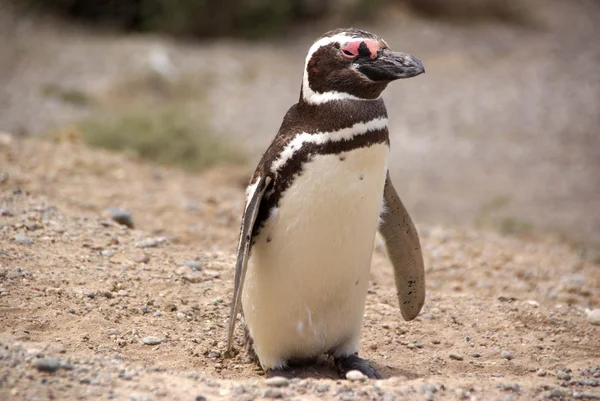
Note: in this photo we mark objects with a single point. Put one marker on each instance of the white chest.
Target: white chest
(309, 267)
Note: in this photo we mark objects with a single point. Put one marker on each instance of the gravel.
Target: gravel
(277, 382)
(355, 375)
(48, 364)
(23, 240)
(455, 356)
(151, 340)
(507, 355)
(594, 317)
(121, 216)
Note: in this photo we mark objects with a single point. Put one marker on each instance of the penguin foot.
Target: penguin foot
(345, 364)
(281, 372)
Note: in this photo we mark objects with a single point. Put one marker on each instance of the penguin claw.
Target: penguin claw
(280, 372)
(345, 364)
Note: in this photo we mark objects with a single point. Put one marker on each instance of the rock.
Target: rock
(594, 317)
(273, 393)
(541, 372)
(556, 393)
(562, 375)
(456, 357)
(48, 364)
(151, 340)
(147, 243)
(23, 240)
(277, 381)
(121, 216)
(322, 387)
(107, 253)
(140, 397)
(588, 382)
(355, 375)
(200, 398)
(506, 355)
(141, 258)
(151, 242)
(193, 265)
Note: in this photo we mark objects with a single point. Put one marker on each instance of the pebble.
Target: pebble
(277, 381)
(541, 372)
(141, 258)
(561, 375)
(588, 382)
(506, 355)
(193, 265)
(456, 357)
(107, 252)
(48, 364)
(121, 216)
(151, 340)
(200, 398)
(556, 393)
(355, 376)
(140, 397)
(149, 243)
(594, 317)
(322, 387)
(23, 240)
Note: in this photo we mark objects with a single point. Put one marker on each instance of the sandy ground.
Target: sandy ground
(502, 131)
(91, 309)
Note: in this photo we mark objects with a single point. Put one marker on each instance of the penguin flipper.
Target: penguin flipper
(404, 251)
(248, 220)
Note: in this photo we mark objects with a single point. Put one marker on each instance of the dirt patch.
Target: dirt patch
(141, 313)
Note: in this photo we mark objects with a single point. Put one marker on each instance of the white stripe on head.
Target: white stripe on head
(344, 134)
(309, 95)
(250, 191)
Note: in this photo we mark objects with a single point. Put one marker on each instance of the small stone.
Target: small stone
(48, 364)
(112, 332)
(193, 265)
(355, 376)
(561, 375)
(594, 317)
(147, 243)
(476, 355)
(107, 294)
(456, 357)
(273, 393)
(429, 388)
(388, 397)
(506, 355)
(556, 393)
(141, 258)
(121, 216)
(151, 340)
(157, 314)
(541, 372)
(589, 382)
(322, 387)
(277, 381)
(200, 398)
(122, 293)
(23, 240)
(107, 253)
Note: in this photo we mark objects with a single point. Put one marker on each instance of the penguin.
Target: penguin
(315, 202)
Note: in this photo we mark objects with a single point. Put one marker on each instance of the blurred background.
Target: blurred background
(502, 132)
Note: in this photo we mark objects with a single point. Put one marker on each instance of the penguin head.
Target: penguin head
(353, 64)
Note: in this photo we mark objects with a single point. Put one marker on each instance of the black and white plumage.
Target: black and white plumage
(316, 200)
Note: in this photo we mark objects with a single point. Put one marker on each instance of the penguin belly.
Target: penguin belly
(308, 272)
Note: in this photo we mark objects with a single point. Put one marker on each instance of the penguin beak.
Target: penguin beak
(389, 66)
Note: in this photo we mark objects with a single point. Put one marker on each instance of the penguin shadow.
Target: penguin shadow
(324, 368)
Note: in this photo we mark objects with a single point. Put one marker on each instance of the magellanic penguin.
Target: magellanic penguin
(315, 202)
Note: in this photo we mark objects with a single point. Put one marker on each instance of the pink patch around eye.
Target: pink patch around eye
(351, 48)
